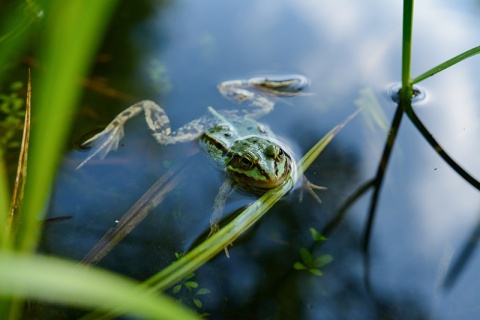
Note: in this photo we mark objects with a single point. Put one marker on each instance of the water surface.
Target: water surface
(176, 52)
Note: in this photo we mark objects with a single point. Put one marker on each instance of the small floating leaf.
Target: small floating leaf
(317, 236)
(198, 303)
(315, 272)
(322, 260)
(191, 284)
(306, 256)
(202, 291)
(177, 288)
(299, 266)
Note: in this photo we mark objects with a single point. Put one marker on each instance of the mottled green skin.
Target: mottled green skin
(248, 153)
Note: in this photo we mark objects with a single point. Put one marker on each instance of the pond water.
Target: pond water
(176, 52)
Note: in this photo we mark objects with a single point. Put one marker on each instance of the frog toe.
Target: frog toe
(310, 188)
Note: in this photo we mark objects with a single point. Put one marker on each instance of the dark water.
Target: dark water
(176, 52)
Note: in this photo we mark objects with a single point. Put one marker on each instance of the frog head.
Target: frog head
(258, 164)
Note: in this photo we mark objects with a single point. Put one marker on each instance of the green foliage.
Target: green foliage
(309, 261)
(12, 107)
(53, 280)
(317, 236)
(188, 290)
(69, 32)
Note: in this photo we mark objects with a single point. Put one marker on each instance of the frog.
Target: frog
(249, 154)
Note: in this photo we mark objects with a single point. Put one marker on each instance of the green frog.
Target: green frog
(247, 151)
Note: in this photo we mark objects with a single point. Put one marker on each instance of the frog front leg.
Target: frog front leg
(226, 189)
(310, 188)
(157, 121)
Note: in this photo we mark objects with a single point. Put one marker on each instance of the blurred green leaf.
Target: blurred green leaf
(198, 303)
(306, 256)
(191, 284)
(299, 266)
(177, 288)
(317, 236)
(15, 29)
(322, 260)
(17, 85)
(202, 291)
(57, 281)
(71, 32)
(315, 272)
(373, 113)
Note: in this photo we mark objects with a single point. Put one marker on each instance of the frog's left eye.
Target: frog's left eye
(246, 163)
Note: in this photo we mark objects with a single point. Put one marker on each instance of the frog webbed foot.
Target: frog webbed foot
(108, 139)
(103, 142)
(309, 187)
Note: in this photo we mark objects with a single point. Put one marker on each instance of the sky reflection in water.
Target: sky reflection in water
(426, 211)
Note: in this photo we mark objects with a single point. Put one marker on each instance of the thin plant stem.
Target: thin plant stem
(406, 91)
(377, 182)
(447, 64)
(405, 99)
(434, 144)
(360, 191)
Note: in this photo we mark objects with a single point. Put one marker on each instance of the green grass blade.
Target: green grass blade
(71, 34)
(447, 64)
(62, 282)
(19, 187)
(406, 91)
(15, 27)
(4, 200)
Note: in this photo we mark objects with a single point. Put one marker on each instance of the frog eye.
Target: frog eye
(246, 163)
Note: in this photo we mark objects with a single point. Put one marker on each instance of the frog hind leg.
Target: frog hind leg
(240, 91)
(257, 91)
(157, 121)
